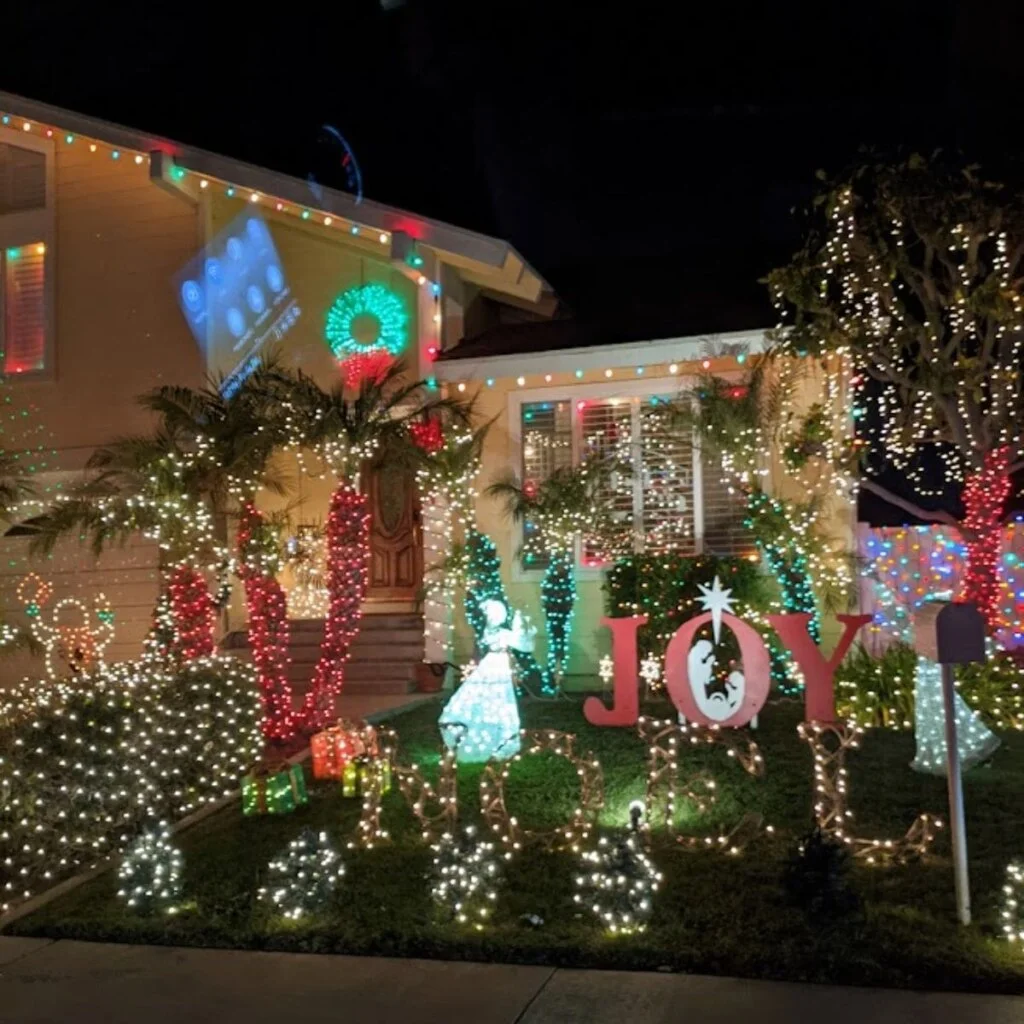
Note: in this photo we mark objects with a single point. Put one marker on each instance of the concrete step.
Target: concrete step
(380, 670)
(300, 677)
(392, 652)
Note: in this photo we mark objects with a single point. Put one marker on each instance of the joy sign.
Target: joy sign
(690, 678)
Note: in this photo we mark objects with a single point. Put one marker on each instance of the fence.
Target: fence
(903, 566)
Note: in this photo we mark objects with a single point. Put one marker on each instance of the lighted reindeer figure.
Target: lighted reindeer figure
(80, 646)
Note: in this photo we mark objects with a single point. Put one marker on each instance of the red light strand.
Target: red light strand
(984, 496)
(348, 549)
(193, 613)
(268, 633)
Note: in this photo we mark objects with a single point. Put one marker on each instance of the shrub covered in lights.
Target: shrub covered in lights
(304, 877)
(665, 589)
(86, 766)
(150, 872)
(879, 692)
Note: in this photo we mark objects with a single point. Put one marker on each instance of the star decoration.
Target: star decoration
(650, 671)
(716, 600)
(606, 669)
(467, 670)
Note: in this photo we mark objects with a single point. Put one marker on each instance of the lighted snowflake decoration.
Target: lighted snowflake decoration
(367, 318)
(650, 671)
(606, 669)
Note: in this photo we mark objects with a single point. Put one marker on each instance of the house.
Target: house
(129, 261)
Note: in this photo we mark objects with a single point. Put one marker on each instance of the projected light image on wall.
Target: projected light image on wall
(236, 298)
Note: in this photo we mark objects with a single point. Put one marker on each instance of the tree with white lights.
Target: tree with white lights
(913, 273)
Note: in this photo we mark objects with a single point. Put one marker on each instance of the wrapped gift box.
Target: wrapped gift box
(274, 789)
(337, 747)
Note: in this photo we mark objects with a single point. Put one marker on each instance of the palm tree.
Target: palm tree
(207, 457)
(445, 477)
(348, 428)
(571, 502)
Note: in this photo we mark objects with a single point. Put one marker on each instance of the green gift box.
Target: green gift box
(274, 789)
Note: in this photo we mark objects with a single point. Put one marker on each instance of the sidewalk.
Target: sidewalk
(44, 982)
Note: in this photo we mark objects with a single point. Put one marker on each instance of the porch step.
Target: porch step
(383, 657)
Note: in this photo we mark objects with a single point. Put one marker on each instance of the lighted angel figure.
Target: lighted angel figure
(481, 721)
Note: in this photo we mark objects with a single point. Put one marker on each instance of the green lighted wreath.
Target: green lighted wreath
(366, 318)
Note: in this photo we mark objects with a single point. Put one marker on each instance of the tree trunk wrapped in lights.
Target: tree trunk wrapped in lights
(984, 496)
(268, 624)
(193, 613)
(348, 551)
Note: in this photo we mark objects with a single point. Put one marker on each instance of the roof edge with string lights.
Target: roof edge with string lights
(490, 262)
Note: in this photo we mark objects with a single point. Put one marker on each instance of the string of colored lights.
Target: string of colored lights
(905, 566)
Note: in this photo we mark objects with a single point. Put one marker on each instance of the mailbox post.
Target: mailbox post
(952, 634)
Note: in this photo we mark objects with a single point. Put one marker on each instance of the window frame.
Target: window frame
(624, 389)
(30, 227)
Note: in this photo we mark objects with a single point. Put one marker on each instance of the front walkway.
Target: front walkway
(44, 982)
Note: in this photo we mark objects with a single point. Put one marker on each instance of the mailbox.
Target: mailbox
(950, 633)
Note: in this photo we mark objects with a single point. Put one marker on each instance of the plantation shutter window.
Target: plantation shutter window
(607, 431)
(24, 309)
(26, 257)
(546, 431)
(667, 497)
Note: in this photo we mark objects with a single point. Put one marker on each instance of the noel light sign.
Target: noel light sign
(690, 676)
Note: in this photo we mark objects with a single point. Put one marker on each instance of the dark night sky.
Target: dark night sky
(646, 160)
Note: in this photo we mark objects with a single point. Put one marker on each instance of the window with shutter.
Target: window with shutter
(669, 497)
(546, 432)
(724, 513)
(24, 309)
(607, 431)
(667, 501)
(22, 179)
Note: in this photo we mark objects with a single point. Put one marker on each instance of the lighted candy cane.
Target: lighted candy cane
(81, 647)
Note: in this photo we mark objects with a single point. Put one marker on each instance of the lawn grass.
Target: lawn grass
(715, 914)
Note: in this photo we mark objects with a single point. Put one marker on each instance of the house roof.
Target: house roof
(489, 262)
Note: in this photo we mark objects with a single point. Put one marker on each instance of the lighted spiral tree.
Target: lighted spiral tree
(339, 432)
(568, 504)
(913, 272)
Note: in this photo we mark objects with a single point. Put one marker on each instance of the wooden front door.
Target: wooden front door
(396, 543)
